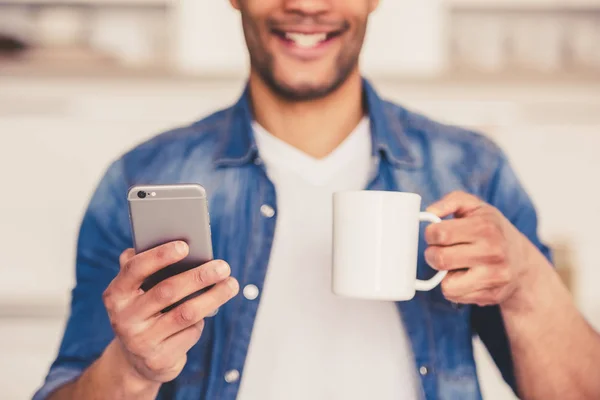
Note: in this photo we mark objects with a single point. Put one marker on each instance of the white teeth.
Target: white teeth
(306, 40)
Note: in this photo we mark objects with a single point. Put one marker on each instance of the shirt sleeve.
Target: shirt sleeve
(103, 235)
(506, 193)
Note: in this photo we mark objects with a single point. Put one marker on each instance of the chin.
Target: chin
(294, 82)
(305, 76)
(303, 91)
(305, 86)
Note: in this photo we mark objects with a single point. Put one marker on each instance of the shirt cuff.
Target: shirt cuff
(57, 378)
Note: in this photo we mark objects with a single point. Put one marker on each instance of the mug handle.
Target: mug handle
(430, 284)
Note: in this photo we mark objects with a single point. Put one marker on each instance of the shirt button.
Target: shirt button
(267, 211)
(232, 376)
(423, 370)
(251, 292)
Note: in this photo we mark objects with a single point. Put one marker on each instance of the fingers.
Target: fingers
(177, 287)
(166, 358)
(195, 309)
(459, 285)
(169, 354)
(448, 258)
(134, 270)
(462, 282)
(484, 297)
(126, 256)
(457, 203)
(474, 247)
(451, 232)
(183, 341)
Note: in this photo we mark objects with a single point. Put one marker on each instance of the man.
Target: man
(308, 126)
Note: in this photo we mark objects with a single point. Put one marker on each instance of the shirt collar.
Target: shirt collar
(390, 141)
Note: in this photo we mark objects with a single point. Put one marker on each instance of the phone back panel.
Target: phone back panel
(168, 213)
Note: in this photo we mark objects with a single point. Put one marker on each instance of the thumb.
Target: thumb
(457, 203)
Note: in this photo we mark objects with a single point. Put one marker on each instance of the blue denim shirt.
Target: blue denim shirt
(410, 153)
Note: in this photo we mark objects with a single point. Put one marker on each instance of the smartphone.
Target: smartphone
(164, 213)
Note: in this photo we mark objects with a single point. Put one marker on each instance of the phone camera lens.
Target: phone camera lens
(141, 195)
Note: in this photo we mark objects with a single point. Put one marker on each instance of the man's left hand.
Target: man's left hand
(486, 256)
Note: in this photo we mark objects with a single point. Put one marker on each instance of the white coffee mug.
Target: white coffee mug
(375, 244)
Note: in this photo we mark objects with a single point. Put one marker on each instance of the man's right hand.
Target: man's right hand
(155, 344)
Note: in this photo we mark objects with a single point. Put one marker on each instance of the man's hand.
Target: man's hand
(155, 344)
(486, 256)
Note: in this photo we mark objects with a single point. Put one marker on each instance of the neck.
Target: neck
(314, 127)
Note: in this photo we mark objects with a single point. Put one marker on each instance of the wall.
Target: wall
(390, 47)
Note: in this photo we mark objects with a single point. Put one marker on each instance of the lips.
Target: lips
(306, 40)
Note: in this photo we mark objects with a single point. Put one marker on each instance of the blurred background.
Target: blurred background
(81, 81)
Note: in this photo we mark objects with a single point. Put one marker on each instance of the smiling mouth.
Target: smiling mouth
(306, 40)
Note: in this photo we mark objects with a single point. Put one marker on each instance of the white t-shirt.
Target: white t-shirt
(308, 343)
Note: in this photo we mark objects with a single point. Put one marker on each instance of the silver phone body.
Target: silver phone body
(167, 213)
